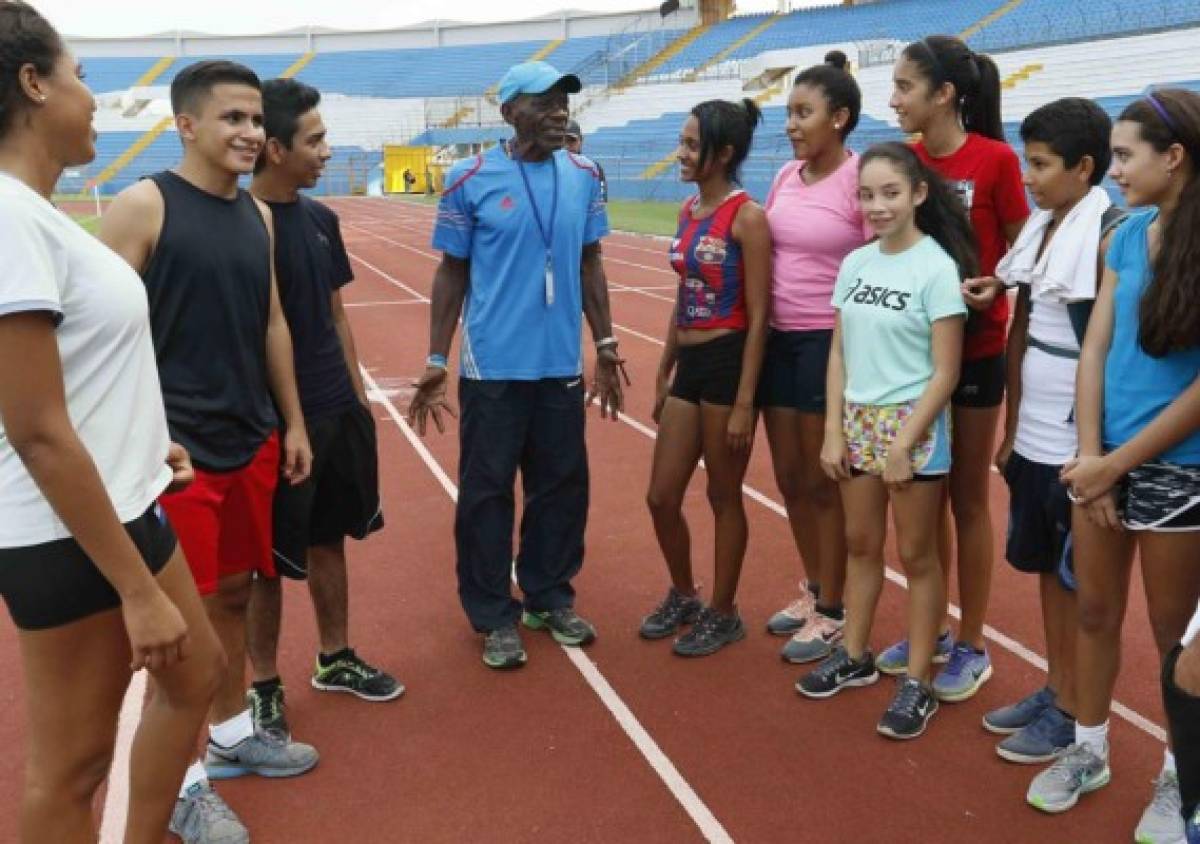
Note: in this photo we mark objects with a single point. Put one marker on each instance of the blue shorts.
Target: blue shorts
(1039, 520)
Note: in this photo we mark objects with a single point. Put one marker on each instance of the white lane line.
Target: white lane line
(1008, 643)
(116, 797)
(420, 298)
(701, 815)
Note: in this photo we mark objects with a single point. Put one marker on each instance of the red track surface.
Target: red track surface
(472, 755)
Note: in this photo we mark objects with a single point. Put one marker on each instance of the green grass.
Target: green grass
(90, 223)
(640, 217)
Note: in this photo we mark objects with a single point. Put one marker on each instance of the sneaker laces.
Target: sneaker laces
(210, 804)
(1167, 799)
(266, 707)
(957, 664)
(803, 605)
(671, 605)
(839, 659)
(356, 665)
(1066, 769)
(907, 696)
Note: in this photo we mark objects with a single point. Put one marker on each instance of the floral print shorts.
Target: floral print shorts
(869, 430)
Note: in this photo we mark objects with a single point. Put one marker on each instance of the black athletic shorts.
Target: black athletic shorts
(710, 372)
(981, 383)
(1039, 518)
(339, 498)
(793, 374)
(1160, 496)
(56, 583)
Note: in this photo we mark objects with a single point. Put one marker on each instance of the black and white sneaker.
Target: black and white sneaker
(675, 611)
(836, 672)
(910, 710)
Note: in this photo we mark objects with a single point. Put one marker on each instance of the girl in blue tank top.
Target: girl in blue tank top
(1136, 481)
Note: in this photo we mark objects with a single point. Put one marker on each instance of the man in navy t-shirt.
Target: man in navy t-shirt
(341, 496)
(519, 227)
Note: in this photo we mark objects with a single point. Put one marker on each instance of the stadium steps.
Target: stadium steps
(1014, 79)
(989, 19)
(298, 65)
(156, 70)
(662, 56)
(734, 47)
(151, 135)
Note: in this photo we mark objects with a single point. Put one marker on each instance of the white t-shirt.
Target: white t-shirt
(1046, 419)
(48, 263)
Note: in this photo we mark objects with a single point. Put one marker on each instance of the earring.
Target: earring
(42, 98)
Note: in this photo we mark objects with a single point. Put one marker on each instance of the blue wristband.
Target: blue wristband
(436, 361)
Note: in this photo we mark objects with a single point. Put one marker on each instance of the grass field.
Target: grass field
(641, 217)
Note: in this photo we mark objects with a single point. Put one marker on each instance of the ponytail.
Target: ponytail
(723, 124)
(976, 80)
(838, 86)
(942, 215)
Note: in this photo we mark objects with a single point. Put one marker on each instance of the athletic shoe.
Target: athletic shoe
(202, 817)
(266, 753)
(674, 611)
(267, 709)
(838, 671)
(894, 660)
(815, 640)
(1017, 716)
(350, 673)
(1193, 827)
(1162, 822)
(502, 648)
(1077, 771)
(964, 675)
(711, 632)
(1048, 737)
(565, 625)
(795, 615)
(910, 710)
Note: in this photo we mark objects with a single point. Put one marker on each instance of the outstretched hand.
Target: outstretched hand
(606, 384)
(430, 401)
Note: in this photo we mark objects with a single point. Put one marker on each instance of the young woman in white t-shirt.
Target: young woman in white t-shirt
(89, 567)
(893, 363)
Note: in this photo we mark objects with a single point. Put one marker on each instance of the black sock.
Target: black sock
(815, 588)
(837, 613)
(329, 660)
(269, 685)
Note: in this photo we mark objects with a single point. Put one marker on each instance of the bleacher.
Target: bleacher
(1060, 21)
(106, 74)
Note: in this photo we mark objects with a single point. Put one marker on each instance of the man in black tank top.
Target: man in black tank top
(341, 496)
(204, 249)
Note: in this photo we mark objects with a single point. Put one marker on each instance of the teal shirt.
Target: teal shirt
(888, 305)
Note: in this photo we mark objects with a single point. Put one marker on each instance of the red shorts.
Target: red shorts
(223, 520)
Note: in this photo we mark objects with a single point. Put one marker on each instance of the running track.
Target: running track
(624, 742)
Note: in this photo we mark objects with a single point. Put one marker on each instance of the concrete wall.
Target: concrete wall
(433, 34)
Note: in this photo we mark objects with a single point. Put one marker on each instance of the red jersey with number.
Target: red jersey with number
(712, 275)
(986, 175)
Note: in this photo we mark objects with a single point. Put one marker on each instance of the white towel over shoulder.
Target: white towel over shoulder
(1066, 272)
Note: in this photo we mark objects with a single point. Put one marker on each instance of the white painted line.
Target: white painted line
(1006, 642)
(701, 815)
(116, 797)
(388, 278)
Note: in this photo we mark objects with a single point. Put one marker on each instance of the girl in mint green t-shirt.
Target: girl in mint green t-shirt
(894, 361)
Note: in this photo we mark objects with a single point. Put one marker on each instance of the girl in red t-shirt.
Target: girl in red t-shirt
(951, 96)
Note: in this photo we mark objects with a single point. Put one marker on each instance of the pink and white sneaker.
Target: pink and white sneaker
(815, 640)
(795, 615)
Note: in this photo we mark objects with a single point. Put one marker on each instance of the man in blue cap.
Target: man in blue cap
(519, 228)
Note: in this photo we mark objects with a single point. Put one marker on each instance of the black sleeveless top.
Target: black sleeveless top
(209, 286)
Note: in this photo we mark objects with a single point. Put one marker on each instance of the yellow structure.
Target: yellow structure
(1021, 75)
(729, 50)
(989, 19)
(411, 170)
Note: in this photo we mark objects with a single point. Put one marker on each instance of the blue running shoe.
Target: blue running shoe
(1193, 827)
(894, 660)
(1044, 740)
(1017, 716)
(964, 674)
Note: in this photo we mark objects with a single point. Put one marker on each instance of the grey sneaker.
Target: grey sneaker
(1050, 734)
(565, 625)
(502, 648)
(712, 631)
(675, 610)
(1162, 822)
(1078, 771)
(202, 817)
(815, 640)
(268, 753)
(795, 615)
(1017, 716)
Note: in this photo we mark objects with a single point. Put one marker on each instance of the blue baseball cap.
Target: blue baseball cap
(536, 78)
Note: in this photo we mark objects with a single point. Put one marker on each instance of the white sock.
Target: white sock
(238, 728)
(1094, 737)
(1168, 761)
(194, 774)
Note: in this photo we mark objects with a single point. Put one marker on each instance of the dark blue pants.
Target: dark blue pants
(538, 427)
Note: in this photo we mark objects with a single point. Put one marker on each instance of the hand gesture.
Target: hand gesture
(1088, 478)
(979, 293)
(182, 473)
(430, 400)
(606, 383)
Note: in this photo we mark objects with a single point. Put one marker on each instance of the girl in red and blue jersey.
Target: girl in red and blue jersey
(715, 344)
